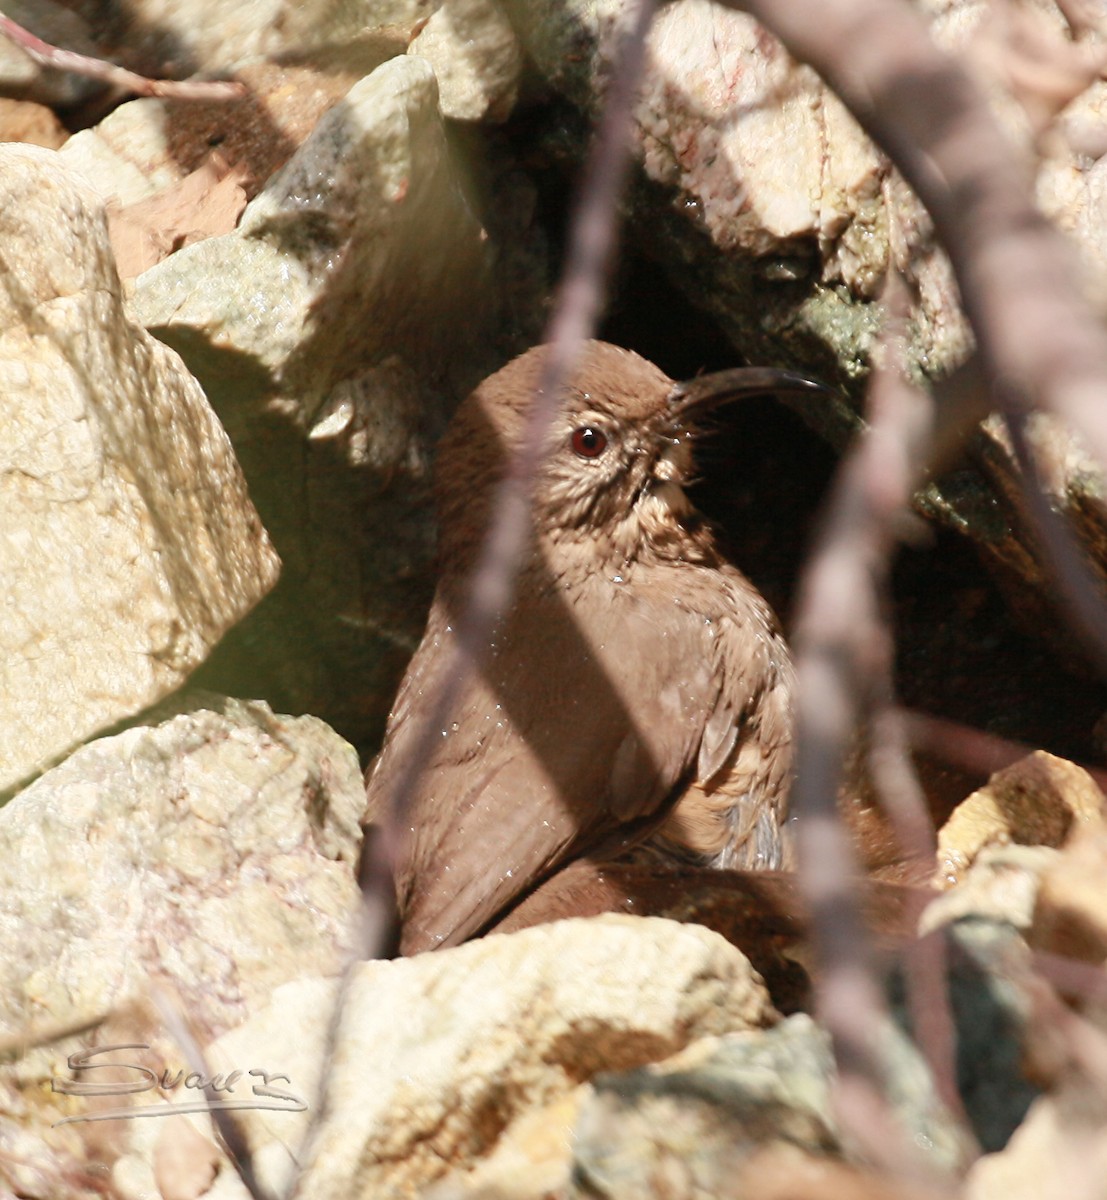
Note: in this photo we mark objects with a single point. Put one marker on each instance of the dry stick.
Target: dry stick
(925, 959)
(1078, 588)
(226, 1121)
(96, 68)
(971, 749)
(1017, 274)
(591, 251)
(903, 420)
(843, 656)
(590, 254)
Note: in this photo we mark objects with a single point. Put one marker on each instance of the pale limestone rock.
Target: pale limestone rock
(358, 300)
(212, 35)
(126, 157)
(1037, 801)
(214, 852)
(1058, 1153)
(363, 238)
(1001, 885)
(698, 1120)
(441, 1055)
(1070, 918)
(509, 1023)
(476, 57)
(129, 544)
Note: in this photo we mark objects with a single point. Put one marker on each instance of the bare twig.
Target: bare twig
(96, 68)
(1017, 274)
(971, 749)
(844, 665)
(226, 1122)
(591, 249)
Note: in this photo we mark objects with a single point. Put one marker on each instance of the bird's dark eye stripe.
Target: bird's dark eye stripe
(589, 441)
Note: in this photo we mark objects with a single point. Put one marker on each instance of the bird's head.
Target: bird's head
(618, 453)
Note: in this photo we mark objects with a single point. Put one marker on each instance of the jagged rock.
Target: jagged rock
(209, 35)
(26, 121)
(1038, 801)
(215, 850)
(694, 1124)
(129, 543)
(364, 236)
(1070, 916)
(200, 863)
(146, 146)
(476, 57)
(126, 157)
(1059, 1152)
(439, 1056)
(359, 299)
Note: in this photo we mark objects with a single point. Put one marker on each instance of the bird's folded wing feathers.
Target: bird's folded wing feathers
(570, 761)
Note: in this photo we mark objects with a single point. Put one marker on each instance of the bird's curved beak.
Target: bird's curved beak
(692, 399)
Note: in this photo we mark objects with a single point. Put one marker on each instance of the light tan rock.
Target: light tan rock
(126, 156)
(214, 852)
(1058, 1153)
(1001, 884)
(1070, 918)
(363, 239)
(1037, 801)
(441, 1055)
(26, 121)
(211, 35)
(128, 543)
(476, 57)
(190, 869)
(358, 300)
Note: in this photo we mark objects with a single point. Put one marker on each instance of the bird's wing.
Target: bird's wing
(572, 732)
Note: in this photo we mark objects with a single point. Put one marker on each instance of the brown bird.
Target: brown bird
(637, 695)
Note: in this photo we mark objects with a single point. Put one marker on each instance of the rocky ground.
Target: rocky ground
(232, 333)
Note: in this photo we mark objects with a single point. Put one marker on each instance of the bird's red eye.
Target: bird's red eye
(589, 442)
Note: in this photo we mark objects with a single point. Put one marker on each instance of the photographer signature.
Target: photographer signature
(218, 1091)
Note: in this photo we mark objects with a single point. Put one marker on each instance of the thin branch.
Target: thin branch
(1079, 591)
(47, 55)
(843, 662)
(971, 749)
(1018, 276)
(227, 1123)
(591, 250)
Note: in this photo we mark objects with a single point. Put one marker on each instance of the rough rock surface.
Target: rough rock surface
(214, 851)
(1059, 1152)
(476, 57)
(211, 35)
(692, 1125)
(126, 156)
(440, 1055)
(1070, 917)
(359, 299)
(1038, 801)
(197, 865)
(331, 262)
(129, 544)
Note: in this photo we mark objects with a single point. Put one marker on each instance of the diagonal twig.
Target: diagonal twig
(592, 240)
(96, 68)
